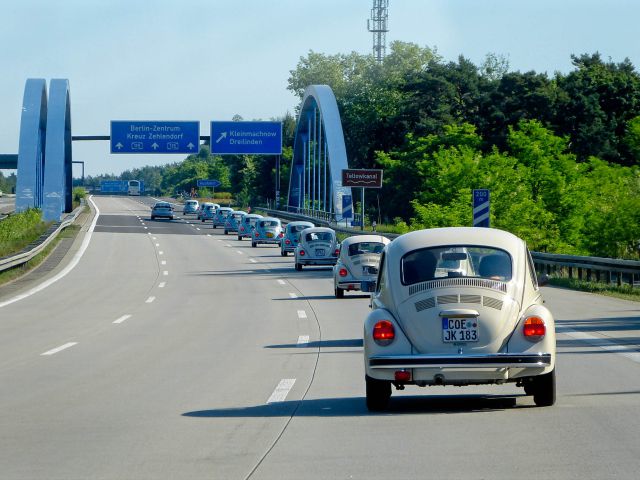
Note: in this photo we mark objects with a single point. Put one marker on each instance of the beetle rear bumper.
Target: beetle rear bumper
(497, 360)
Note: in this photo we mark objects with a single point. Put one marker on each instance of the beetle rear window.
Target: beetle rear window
(459, 261)
(365, 247)
(297, 228)
(319, 236)
(269, 223)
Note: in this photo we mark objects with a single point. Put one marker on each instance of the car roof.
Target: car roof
(271, 219)
(365, 238)
(300, 222)
(239, 211)
(434, 237)
(318, 229)
(162, 204)
(253, 215)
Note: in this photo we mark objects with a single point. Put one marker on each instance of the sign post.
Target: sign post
(347, 208)
(154, 137)
(363, 178)
(481, 208)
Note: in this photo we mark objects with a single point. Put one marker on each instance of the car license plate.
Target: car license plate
(369, 270)
(269, 235)
(459, 330)
(319, 252)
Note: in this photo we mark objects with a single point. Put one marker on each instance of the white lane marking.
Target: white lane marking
(293, 295)
(162, 284)
(65, 271)
(60, 348)
(253, 260)
(122, 319)
(303, 340)
(150, 300)
(281, 282)
(302, 314)
(239, 252)
(160, 252)
(627, 351)
(157, 244)
(165, 273)
(143, 223)
(219, 240)
(146, 228)
(208, 234)
(198, 229)
(282, 390)
(155, 238)
(227, 245)
(163, 262)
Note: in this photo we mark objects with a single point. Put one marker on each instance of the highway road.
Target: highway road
(174, 351)
(7, 205)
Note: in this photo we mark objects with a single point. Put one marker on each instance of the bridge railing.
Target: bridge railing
(598, 269)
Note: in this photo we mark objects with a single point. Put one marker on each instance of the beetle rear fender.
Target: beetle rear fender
(518, 343)
(400, 344)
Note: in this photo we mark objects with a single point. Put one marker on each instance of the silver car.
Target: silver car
(220, 216)
(317, 246)
(234, 219)
(485, 324)
(267, 230)
(190, 206)
(358, 261)
(248, 224)
(291, 236)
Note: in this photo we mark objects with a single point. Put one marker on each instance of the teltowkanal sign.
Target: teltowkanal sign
(363, 178)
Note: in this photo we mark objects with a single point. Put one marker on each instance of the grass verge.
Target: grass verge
(19, 230)
(626, 292)
(12, 274)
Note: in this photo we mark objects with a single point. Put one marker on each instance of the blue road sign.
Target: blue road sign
(155, 137)
(209, 183)
(347, 206)
(246, 138)
(481, 208)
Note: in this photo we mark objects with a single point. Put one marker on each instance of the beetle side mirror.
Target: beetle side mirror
(368, 286)
(543, 280)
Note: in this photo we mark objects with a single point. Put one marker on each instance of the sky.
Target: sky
(208, 60)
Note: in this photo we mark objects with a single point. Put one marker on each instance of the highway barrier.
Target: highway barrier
(598, 269)
(34, 249)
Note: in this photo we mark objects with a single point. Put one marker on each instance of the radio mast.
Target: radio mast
(378, 25)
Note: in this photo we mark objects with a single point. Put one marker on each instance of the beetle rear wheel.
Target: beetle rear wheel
(339, 292)
(378, 394)
(253, 244)
(298, 266)
(239, 238)
(544, 389)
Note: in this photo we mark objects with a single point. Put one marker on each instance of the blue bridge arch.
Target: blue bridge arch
(319, 156)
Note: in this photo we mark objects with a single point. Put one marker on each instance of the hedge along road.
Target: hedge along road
(170, 351)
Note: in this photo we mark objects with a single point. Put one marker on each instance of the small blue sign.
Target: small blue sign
(481, 208)
(347, 206)
(246, 138)
(155, 137)
(209, 183)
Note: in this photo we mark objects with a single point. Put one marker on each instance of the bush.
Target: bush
(19, 230)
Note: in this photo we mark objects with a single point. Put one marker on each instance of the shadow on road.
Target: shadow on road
(355, 407)
(352, 342)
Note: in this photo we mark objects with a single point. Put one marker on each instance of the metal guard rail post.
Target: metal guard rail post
(27, 254)
(609, 270)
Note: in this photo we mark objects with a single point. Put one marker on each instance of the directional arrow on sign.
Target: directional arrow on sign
(154, 145)
(119, 145)
(190, 146)
(222, 135)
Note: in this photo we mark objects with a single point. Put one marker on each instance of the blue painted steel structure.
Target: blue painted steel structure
(44, 153)
(319, 156)
(33, 128)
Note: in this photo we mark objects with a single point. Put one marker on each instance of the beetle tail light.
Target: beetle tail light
(402, 375)
(383, 333)
(302, 254)
(257, 234)
(281, 235)
(337, 252)
(343, 272)
(287, 242)
(534, 329)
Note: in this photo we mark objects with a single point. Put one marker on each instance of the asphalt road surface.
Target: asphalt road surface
(7, 204)
(174, 351)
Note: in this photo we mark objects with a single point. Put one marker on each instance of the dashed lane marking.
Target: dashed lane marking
(163, 262)
(302, 314)
(303, 340)
(150, 300)
(282, 390)
(122, 319)
(64, 347)
(281, 282)
(165, 273)
(162, 284)
(292, 295)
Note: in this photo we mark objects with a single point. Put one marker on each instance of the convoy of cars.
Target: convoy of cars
(449, 306)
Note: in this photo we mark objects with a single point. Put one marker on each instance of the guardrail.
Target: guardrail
(39, 245)
(599, 269)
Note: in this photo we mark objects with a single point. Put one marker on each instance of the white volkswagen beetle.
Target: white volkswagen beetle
(358, 261)
(316, 246)
(482, 324)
